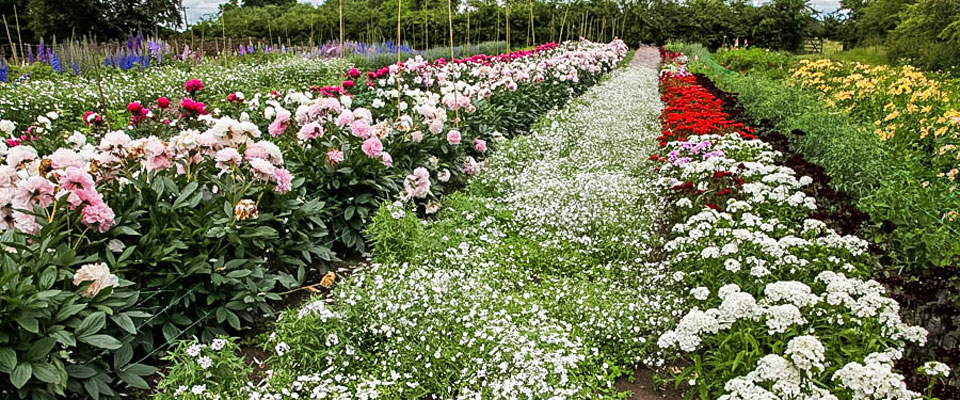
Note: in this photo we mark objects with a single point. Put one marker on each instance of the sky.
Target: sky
(196, 9)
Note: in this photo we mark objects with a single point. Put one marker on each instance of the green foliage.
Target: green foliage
(53, 333)
(200, 368)
(929, 34)
(773, 64)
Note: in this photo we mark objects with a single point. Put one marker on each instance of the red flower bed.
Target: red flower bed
(689, 109)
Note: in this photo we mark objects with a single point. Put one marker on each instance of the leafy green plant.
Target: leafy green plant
(200, 368)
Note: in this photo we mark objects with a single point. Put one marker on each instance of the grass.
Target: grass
(875, 55)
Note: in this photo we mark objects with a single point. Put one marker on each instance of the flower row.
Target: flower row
(779, 306)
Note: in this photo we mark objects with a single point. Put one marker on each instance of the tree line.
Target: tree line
(925, 31)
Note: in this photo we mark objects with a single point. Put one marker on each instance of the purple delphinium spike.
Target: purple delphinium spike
(75, 68)
(30, 57)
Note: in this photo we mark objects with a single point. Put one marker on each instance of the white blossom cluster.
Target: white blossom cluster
(788, 281)
(526, 286)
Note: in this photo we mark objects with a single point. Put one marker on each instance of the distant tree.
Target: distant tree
(929, 34)
(784, 24)
(261, 3)
(104, 19)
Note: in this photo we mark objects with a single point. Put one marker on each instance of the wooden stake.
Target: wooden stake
(453, 67)
(13, 48)
(340, 11)
(16, 18)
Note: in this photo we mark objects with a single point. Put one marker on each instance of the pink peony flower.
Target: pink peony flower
(348, 84)
(345, 118)
(364, 114)
(262, 169)
(310, 131)
(228, 158)
(284, 180)
(360, 128)
(372, 147)
(76, 179)
(99, 214)
(64, 158)
(334, 156)
(480, 145)
(35, 190)
(331, 104)
(279, 123)
(353, 73)
(100, 276)
(417, 184)
(416, 136)
(453, 137)
(163, 102)
(386, 159)
(114, 141)
(20, 155)
(26, 223)
(470, 166)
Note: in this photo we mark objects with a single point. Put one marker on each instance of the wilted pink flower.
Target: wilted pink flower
(228, 158)
(100, 276)
(310, 131)
(372, 147)
(279, 123)
(417, 184)
(453, 137)
(360, 128)
(334, 156)
(386, 159)
(284, 180)
(470, 166)
(480, 145)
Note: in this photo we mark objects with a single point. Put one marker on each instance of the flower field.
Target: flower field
(541, 224)
(192, 218)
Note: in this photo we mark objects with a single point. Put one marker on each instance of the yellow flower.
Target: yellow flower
(892, 115)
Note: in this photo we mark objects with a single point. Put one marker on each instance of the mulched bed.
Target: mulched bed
(924, 299)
